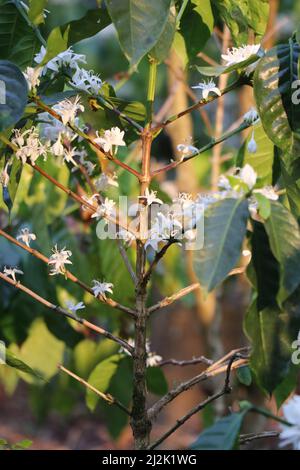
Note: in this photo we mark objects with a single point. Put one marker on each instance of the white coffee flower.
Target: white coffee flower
(186, 149)
(66, 58)
(248, 176)
(12, 272)
(151, 197)
(153, 360)
(74, 307)
(26, 236)
(235, 55)
(69, 155)
(112, 139)
(251, 116)
(223, 183)
(32, 76)
(290, 435)
(268, 192)
(105, 180)
(100, 288)
(57, 148)
(91, 200)
(58, 260)
(52, 129)
(29, 145)
(252, 145)
(207, 88)
(68, 109)
(86, 80)
(107, 208)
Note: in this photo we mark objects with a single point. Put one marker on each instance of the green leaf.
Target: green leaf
(240, 15)
(41, 350)
(217, 70)
(222, 435)
(291, 179)
(244, 375)
(196, 26)
(268, 331)
(284, 236)
(164, 43)
(86, 26)
(273, 91)
(13, 94)
(101, 378)
(87, 354)
(156, 381)
(139, 24)
(36, 10)
(263, 205)
(287, 386)
(56, 43)
(19, 42)
(13, 361)
(225, 225)
(114, 376)
(22, 445)
(262, 160)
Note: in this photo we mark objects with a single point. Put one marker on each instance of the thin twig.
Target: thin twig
(197, 105)
(69, 275)
(159, 255)
(203, 149)
(225, 390)
(105, 102)
(105, 396)
(127, 262)
(245, 438)
(65, 313)
(172, 298)
(189, 362)
(215, 369)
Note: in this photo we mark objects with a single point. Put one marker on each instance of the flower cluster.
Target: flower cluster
(111, 140)
(86, 80)
(290, 435)
(235, 55)
(68, 59)
(58, 260)
(29, 145)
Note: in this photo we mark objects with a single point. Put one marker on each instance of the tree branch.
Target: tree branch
(65, 313)
(105, 396)
(127, 261)
(69, 275)
(189, 362)
(245, 438)
(225, 390)
(172, 298)
(216, 368)
(206, 147)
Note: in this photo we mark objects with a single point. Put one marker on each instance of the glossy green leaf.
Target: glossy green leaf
(19, 42)
(291, 180)
(36, 10)
(196, 26)
(287, 386)
(224, 230)
(268, 331)
(16, 363)
(244, 375)
(139, 24)
(13, 94)
(280, 116)
(242, 15)
(156, 381)
(164, 43)
(9, 192)
(56, 43)
(284, 235)
(87, 26)
(101, 378)
(222, 435)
